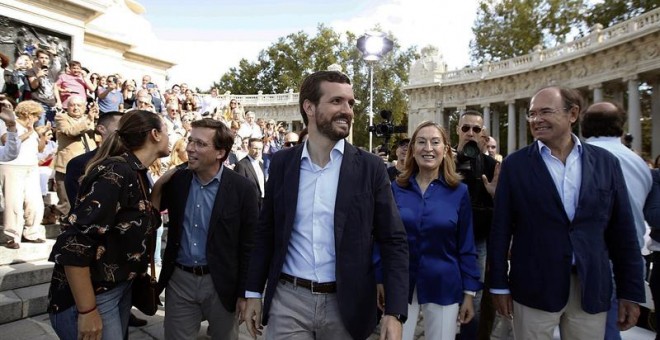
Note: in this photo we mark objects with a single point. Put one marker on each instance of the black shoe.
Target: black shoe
(39, 240)
(134, 321)
(12, 245)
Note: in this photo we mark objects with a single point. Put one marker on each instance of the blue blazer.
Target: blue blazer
(528, 210)
(364, 211)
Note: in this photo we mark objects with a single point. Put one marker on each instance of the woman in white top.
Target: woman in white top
(24, 206)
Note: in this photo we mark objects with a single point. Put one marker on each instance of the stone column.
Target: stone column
(655, 119)
(634, 112)
(445, 118)
(598, 92)
(487, 125)
(511, 129)
(522, 127)
(495, 127)
(439, 114)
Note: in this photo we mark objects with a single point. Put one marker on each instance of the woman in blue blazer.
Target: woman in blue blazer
(436, 211)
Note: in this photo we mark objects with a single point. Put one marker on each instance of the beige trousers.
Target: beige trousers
(24, 206)
(574, 323)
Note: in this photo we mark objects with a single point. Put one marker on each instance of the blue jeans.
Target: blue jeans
(469, 330)
(159, 245)
(114, 307)
(47, 116)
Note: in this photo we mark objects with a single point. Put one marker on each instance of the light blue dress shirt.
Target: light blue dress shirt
(311, 252)
(637, 176)
(196, 220)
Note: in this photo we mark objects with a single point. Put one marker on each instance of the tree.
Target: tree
(284, 64)
(510, 28)
(612, 12)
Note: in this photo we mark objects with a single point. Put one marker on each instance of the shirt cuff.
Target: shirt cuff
(252, 295)
(500, 291)
(469, 292)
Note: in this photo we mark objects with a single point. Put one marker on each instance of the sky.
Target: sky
(207, 37)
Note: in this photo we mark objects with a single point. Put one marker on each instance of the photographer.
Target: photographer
(110, 97)
(42, 76)
(480, 173)
(75, 136)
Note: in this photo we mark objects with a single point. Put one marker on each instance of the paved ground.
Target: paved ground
(38, 328)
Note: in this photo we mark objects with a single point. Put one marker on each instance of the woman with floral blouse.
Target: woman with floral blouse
(104, 244)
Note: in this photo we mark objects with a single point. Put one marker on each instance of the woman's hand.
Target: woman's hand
(466, 313)
(90, 326)
(157, 190)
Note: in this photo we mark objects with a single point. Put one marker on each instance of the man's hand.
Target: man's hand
(492, 185)
(503, 304)
(628, 314)
(7, 114)
(240, 309)
(252, 316)
(390, 328)
(380, 297)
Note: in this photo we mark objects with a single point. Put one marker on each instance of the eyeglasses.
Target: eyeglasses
(475, 128)
(290, 144)
(533, 115)
(197, 144)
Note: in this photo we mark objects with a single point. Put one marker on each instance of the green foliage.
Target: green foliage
(510, 28)
(612, 12)
(284, 64)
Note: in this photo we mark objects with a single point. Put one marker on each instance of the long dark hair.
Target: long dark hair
(133, 131)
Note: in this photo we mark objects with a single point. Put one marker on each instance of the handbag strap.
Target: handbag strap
(151, 245)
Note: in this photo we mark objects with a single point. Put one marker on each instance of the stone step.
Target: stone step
(21, 275)
(29, 252)
(23, 302)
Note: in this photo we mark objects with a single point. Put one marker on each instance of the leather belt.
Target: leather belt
(196, 270)
(315, 287)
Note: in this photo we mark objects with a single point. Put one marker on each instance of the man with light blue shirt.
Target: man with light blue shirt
(562, 212)
(212, 215)
(602, 125)
(325, 204)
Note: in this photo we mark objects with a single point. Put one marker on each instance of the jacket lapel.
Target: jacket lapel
(219, 205)
(291, 182)
(348, 177)
(542, 176)
(588, 179)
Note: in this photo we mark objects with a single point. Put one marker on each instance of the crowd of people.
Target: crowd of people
(316, 238)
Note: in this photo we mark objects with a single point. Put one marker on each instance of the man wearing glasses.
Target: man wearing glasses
(562, 213)
(480, 175)
(212, 214)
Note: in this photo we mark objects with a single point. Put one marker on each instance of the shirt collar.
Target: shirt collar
(339, 146)
(133, 161)
(605, 139)
(217, 176)
(576, 146)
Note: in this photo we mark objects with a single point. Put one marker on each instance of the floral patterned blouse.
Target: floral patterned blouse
(108, 230)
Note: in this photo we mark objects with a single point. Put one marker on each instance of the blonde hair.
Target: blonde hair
(447, 166)
(174, 155)
(28, 108)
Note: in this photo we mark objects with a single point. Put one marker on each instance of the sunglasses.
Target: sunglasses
(290, 144)
(475, 129)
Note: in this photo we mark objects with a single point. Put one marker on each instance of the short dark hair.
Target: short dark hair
(105, 117)
(73, 63)
(600, 121)
(255, 140)
(40, 51)
(311, 87)
(222, 140)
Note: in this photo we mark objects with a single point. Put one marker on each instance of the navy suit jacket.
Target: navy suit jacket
(364, 210)
(528, 210)
(245, 169)
(229, 239)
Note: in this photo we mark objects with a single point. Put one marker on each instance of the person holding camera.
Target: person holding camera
(480, 173)
(75, 136)
(110, 97)
(42, 76)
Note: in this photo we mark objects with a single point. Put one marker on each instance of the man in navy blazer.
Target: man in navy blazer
(562, 209)
(212, 211)
(326, 203)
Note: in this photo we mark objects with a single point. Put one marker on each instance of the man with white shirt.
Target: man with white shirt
(250, 128)
(602, 125)
(252, 166)
(326, 204)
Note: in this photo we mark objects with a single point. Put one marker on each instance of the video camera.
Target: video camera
(386, 129)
